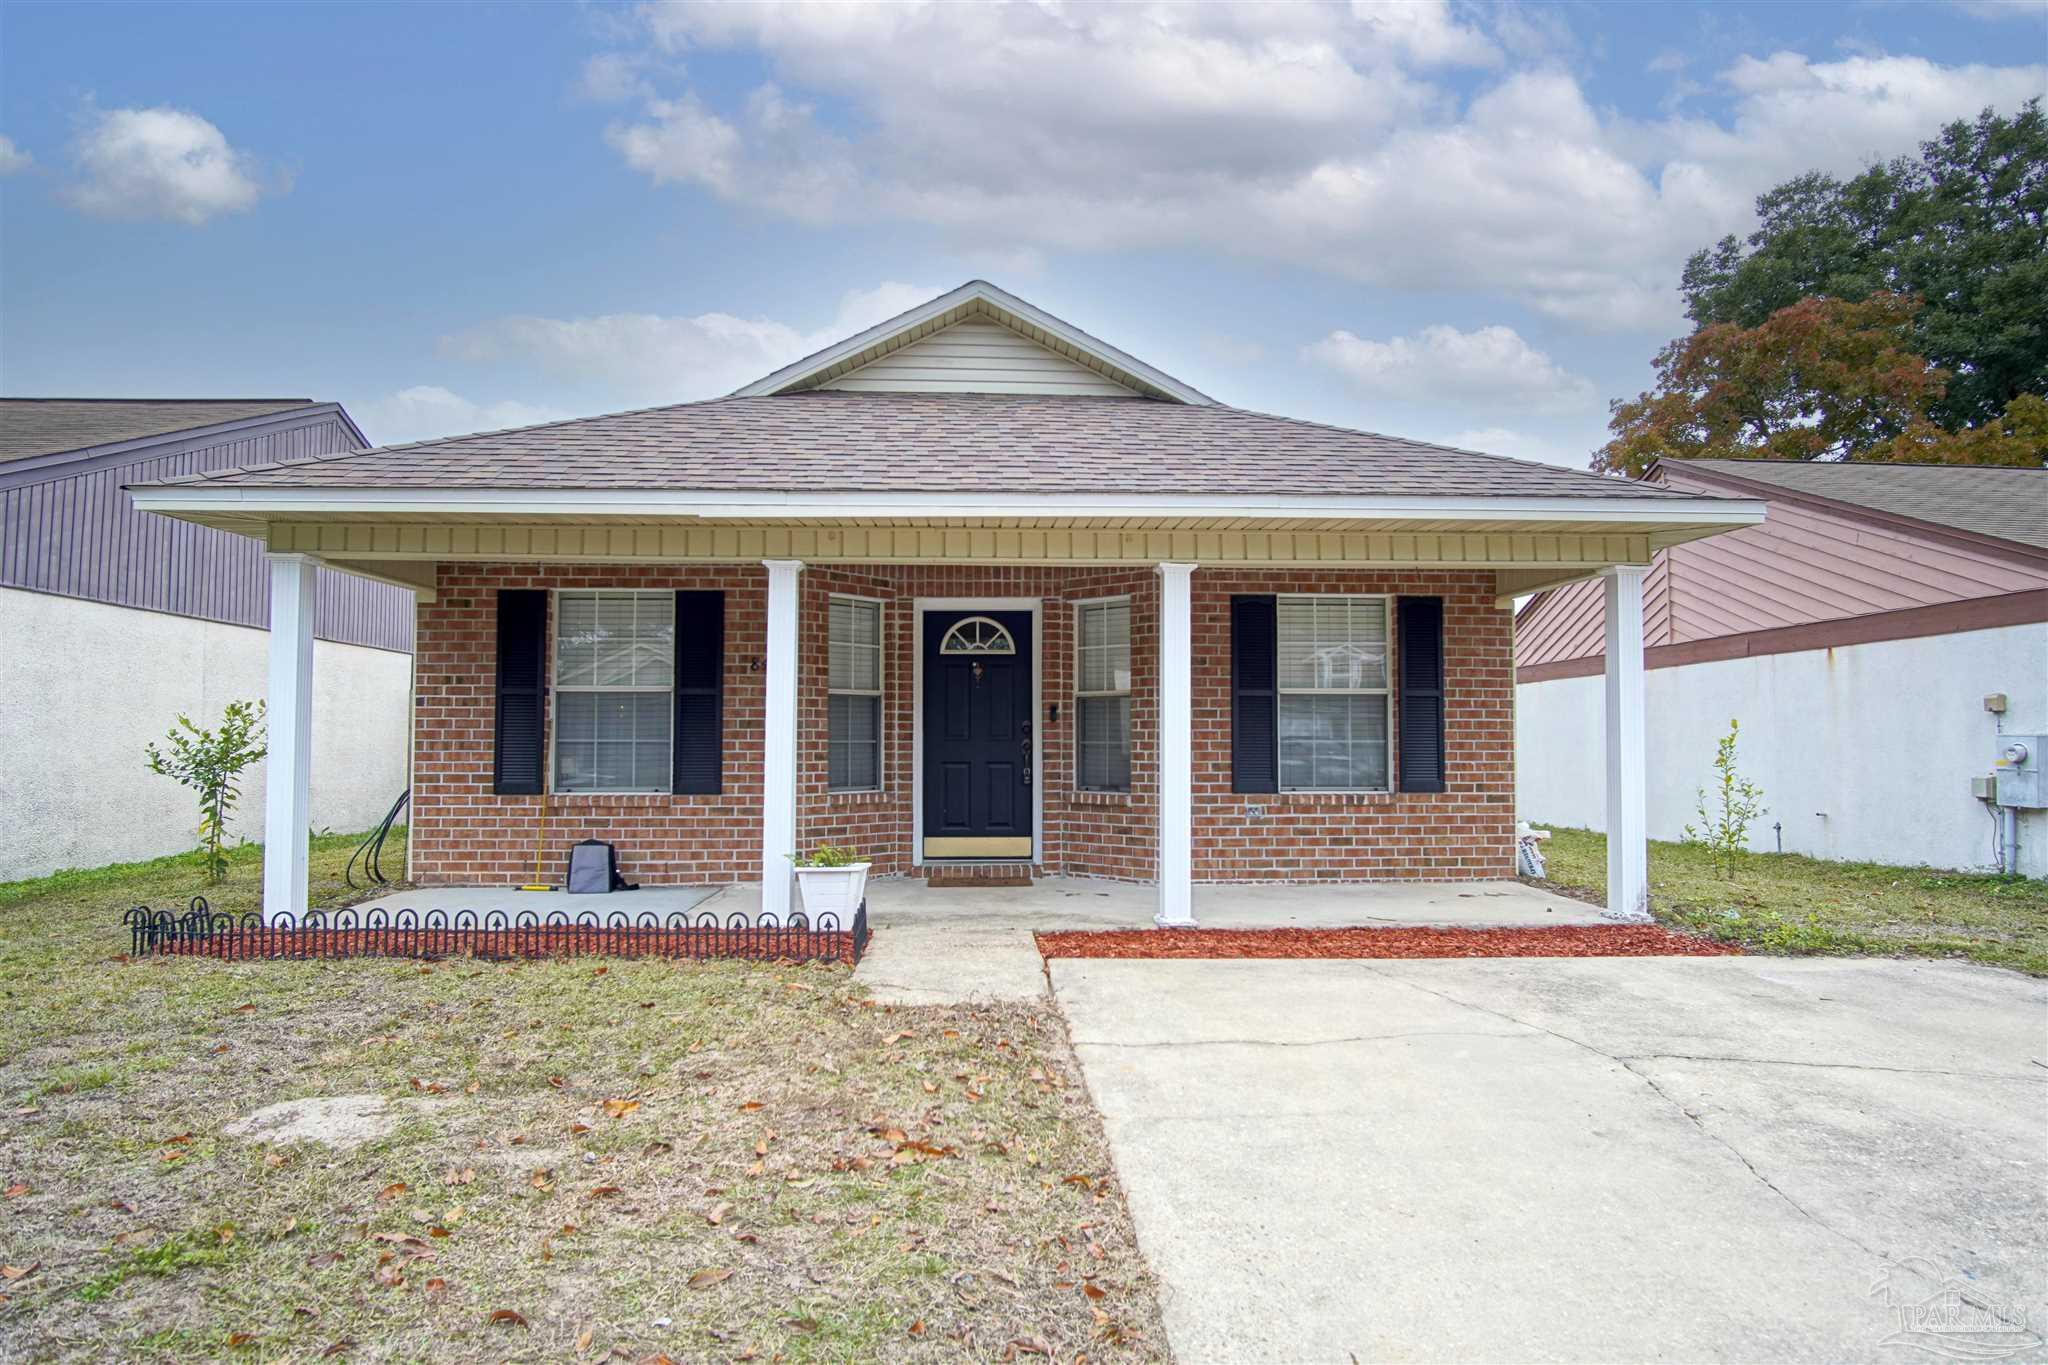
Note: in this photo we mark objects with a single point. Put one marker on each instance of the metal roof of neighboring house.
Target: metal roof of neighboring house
(2005, 504)
(826, 442)
(48, 426)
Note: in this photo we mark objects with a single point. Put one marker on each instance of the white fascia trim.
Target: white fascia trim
(718, 506)
(790, 376)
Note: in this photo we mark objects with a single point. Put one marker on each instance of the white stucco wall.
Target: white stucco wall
(1864, 752)
(83, 685)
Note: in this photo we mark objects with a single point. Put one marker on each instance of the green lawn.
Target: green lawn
(1785, 903)
(589, 1159)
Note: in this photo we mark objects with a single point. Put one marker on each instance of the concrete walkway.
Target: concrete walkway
(936, 946)
(1574, 1159)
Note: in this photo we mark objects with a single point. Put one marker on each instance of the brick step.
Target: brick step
(977, 875)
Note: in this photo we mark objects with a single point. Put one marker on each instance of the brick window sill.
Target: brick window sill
(880, 798)
(1081, 798)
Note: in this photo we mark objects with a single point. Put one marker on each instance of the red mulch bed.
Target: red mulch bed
(1603, 940)
(757, 945)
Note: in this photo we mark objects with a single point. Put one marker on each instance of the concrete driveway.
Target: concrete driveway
(1588, 1159)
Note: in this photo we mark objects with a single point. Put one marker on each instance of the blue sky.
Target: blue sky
(1456, 223)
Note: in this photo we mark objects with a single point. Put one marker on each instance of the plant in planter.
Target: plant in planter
(833, 880)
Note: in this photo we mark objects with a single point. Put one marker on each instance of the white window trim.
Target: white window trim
(1081, 604)
(555, 690)
(881, 606)
(1385, 693)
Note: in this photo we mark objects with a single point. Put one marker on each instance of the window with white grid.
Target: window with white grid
(1333, 693)
(615, 665)
(854, 742)
(1102, 696)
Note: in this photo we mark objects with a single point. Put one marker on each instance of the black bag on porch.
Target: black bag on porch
(594, 869)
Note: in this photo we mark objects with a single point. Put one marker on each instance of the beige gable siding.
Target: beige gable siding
(977, 356)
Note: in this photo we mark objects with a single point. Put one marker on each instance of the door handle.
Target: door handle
(1024, 748)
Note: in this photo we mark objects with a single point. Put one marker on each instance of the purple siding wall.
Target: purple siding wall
(71, 530)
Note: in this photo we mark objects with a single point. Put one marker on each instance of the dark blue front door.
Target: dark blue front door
(978, 734)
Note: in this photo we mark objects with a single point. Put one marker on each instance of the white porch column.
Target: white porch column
(1628, 850)
(778, 747)
(1176, 746)
(288, 774)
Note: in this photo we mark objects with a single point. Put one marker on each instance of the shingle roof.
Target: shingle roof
(48, 426)
(2008, 504)
(913, 442)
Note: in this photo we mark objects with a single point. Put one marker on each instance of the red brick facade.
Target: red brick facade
(462, 832)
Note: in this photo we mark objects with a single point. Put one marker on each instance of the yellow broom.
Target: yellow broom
(539, 841)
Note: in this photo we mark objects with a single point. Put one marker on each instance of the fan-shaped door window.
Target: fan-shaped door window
(977, 635)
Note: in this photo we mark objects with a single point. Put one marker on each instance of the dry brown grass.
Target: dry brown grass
(635, 1158)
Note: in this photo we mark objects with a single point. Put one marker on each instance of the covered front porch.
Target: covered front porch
(1181, 829)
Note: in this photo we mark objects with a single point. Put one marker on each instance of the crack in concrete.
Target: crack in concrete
(1307, 1042)
(1694, 1119)
(1831, 1066)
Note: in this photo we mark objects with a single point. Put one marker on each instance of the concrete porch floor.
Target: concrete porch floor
(936, 946)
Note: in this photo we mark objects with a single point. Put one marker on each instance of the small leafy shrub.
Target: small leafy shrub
(211, 763)
(826, 855)
(1726, 815)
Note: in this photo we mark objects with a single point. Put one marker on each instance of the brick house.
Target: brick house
(970, 588)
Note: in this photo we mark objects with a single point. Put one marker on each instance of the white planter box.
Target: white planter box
(835, 891)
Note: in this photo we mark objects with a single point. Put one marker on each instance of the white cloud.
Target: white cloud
(160, 163)
(425, 411)
(12, 158)
(1522, 446)
(1312, 135)
(1488, 367)
(648, 358)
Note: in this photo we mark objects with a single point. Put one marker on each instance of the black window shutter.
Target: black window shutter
(518, 737)
(700, 693)
(1254, 719)
(1422, 693)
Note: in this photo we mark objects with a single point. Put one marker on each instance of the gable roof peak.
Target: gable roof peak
(976, 299)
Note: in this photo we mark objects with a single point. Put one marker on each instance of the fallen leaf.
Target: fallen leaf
(1031, 1346)
(275, 1159)
(224, 1234)
(750, 1106)
(604, 1191)
(916, 1329)
(392, 1191)
(239, 1339)
(618, 1109)
(321, 1260)
(716, 1214)
(222, 1048)
(704, 1279)
(506, 1315)
(461, 1177)
(247, 1007)
(436, 1285)
(582, 1341)
(657, 1148)
(17, 1272)
(542, 1180)
(578, 1129)
(16, 1190)
(1094, 1291)
(931, 1087)
(338, 1347)
(389, 1277)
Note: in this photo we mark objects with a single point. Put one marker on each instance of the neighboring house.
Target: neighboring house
(1855, 635)
(113, 622)
(970, 588)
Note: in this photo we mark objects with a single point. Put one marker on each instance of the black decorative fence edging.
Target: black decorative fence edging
(493, 934)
